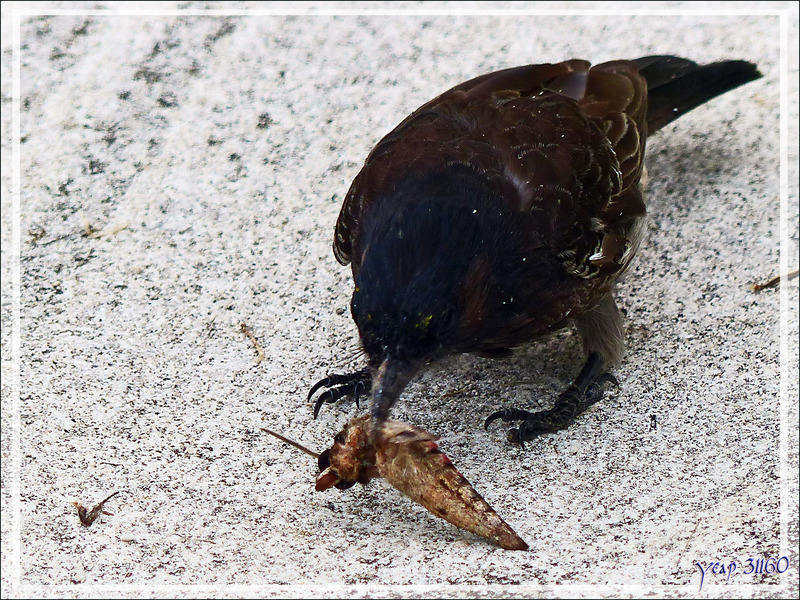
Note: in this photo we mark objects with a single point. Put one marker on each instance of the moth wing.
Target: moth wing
(397, 432)
(420, 470)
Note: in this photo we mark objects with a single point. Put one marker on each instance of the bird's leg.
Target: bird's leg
(352, 384)
(580, 395)
(601, 330)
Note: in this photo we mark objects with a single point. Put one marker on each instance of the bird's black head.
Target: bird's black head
(442, 264)
(446, 265)
(416, 248)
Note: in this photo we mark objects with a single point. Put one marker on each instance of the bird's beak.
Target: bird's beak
(391, 379)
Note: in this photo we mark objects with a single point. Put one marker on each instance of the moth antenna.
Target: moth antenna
(291, 442)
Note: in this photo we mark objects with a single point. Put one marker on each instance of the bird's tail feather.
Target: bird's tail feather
(676, 85)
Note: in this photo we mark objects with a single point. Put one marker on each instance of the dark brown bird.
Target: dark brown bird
(502, 211)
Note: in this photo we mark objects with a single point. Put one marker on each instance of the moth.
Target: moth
(409, 458)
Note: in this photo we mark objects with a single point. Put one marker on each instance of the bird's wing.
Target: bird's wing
(564, 139)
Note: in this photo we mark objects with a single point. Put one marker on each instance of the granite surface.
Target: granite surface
(180, 175)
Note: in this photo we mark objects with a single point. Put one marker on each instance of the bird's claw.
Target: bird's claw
(506, 414)
(355, 384)
(606, 378)
(567, 407)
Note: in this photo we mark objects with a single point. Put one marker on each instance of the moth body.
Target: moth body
(410, 460)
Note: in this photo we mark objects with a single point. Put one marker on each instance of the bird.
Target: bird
(501, 211)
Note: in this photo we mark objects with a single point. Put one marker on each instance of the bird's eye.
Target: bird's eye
(339, 438)
(324, 460)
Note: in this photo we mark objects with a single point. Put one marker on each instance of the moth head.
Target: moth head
(351, 459)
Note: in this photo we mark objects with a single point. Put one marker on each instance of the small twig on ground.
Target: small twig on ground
(111, 230)
(686, 547)
(54, 240)
(87, 516)
(454, 393)
(757, 287)
(94, 233)
(36, 233)
(253, 339)
(88, 229)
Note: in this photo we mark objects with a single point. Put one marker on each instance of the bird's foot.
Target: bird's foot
(352, 384)
(569, 404)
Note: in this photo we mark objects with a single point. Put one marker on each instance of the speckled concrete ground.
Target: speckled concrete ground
(181, 175)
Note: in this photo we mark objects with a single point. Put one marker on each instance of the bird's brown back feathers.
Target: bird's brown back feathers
(563, 140)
